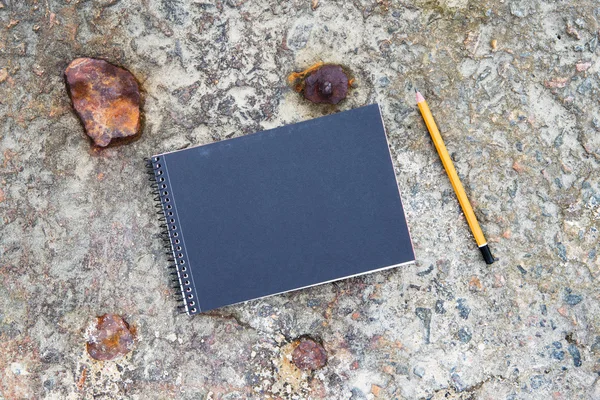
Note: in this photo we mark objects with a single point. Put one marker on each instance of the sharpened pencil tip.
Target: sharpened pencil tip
(420, 97)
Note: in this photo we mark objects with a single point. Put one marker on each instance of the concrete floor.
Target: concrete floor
(515, 88)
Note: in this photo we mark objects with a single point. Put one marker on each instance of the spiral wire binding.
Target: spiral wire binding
(178, 274)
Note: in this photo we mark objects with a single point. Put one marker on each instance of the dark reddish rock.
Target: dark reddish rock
(111, 338)
(106, 98)
(309, 355)
(328, 84)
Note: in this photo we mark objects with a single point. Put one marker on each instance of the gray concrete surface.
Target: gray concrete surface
(522, 121)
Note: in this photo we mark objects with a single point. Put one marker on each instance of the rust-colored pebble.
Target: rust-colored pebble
(328, 84)
(110, 338)
(106, 98)
(309, 355)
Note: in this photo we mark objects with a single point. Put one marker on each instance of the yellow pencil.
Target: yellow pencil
(456, 184)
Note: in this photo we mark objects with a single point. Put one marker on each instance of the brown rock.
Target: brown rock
(106, 98)
(309, 355)
(110, 338)
(556, 83)
(499, 281)
(517, 167)
(376, 390)
(328, 84)
(12, 23)
(475, 284)
(388, 369)
(563, 311)
(573, 32)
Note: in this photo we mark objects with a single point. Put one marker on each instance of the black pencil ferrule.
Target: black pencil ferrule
(487, 254)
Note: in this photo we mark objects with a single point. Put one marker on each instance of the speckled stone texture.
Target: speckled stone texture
(521, 119)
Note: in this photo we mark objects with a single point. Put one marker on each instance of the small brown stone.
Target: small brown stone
(556, 83)
(309, 355)
(388, 369)
(328, 84)
(106, 98)
(12, 23)
(110, 338)
(499, 281)
(573, 32)
(475, 284)
(517, 167)
(563, 311)
(376, 390)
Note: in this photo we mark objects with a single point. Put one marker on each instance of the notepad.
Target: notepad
(281, 210)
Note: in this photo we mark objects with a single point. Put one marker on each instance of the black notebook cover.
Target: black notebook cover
(282, 209)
